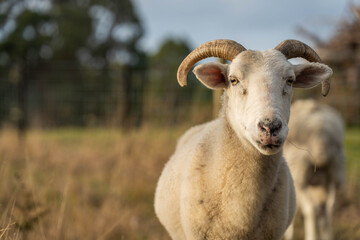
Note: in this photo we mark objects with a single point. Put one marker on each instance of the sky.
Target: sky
(256, 24)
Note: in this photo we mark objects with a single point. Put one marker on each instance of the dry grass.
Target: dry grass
(81, 184)
(99, 184)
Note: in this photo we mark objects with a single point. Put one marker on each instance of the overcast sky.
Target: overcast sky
(257, 24)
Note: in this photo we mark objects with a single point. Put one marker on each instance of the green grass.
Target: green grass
(352, 149)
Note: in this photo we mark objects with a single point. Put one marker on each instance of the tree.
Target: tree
(167, 97)
(22, 48)
(342, 53)
(57, 49)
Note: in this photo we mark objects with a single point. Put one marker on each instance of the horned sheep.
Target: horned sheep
(227, 178)
(315, 155)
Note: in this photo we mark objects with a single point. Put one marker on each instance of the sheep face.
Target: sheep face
(258, 89)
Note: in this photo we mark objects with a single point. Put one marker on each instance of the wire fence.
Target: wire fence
(66, 95)
(70, 96)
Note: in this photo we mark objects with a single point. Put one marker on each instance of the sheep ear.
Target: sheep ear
(212, 75)
(309, 75)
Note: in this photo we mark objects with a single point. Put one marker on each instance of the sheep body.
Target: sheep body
(210, 199)
(314, 152)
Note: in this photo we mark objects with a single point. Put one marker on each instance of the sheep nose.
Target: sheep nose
(270, 126)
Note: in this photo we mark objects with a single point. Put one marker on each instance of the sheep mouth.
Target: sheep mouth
(270, 146)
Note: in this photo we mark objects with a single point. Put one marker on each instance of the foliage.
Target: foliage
(164, 93)
(50, 56)
(341, 52)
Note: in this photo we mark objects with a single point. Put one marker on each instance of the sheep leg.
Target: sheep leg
(309, 213)
(326, 227)
(289, 234)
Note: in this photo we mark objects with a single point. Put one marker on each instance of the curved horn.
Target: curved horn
(221, 48)
(294, 48)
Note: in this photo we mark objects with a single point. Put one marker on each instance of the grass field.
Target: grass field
(99, 184)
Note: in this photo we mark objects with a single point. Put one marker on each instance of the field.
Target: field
(99, 184)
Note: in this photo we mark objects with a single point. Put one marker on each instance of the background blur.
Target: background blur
(90, 108)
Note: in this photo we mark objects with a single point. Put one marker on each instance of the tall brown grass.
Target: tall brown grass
(78, 184)
(99, 184)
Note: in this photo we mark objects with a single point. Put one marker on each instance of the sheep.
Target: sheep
(315, 155)
(227, 178)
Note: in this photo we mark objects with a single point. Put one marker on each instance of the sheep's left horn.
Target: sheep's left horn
(294, 48)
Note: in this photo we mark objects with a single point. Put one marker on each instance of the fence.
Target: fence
(67, 95)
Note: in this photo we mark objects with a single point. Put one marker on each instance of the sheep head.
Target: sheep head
(258, 86)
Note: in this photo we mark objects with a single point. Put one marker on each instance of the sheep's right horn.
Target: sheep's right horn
(294, 48)
(221, 48)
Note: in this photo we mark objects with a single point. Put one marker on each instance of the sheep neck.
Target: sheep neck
(242, 165)
(240, 149)
(237, 172)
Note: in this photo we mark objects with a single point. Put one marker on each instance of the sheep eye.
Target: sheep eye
(234, 81)
(289, 81)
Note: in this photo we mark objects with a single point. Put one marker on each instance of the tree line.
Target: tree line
(78, 63)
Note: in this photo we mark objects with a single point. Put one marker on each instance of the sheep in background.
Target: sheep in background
(227, 178)
(315, 155)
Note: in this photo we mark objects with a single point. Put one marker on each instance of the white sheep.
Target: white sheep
(227, 178)
(315, 155)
